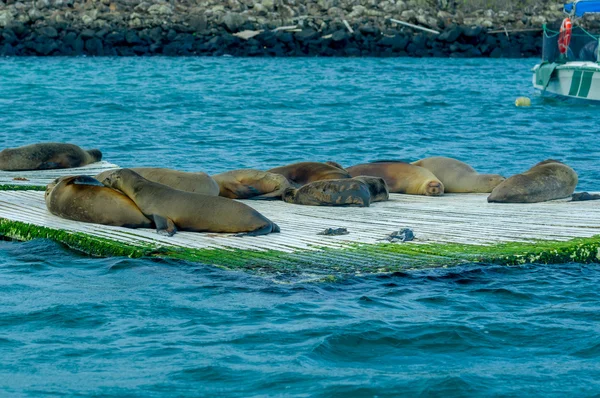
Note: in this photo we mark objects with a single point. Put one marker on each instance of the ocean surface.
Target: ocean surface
(72, 325)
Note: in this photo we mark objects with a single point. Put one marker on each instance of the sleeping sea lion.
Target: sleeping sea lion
(47, 155)
(172, 209)
(302, 173)
(377, 187)
(547, 180)
(401, 177)
(251, 184)
(83, 198)
(196, 182)
(344, 192)
(459, 177)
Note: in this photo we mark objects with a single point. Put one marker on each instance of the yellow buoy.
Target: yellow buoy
(523, 101)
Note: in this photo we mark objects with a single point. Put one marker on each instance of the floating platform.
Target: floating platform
(449, 230)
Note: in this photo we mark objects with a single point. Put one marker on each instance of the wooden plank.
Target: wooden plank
(44, 177)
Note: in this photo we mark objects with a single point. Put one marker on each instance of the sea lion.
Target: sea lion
(459, 177)
(251, 184)
(172, 209)
(47, 155)
(583, 196)
(377, 187)
(401, 177)
(195, 182)
(302, 173)
(83, 198)
(344, 192)
(547, 180)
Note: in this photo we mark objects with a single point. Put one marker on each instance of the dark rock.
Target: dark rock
(339, 36)
(156, 34)
(285, 37)
(87, 34)
(472, 31)
(171, 35)
(132, 38)
(496, 53)
(115, 38)
(78, 46)
(140, 50)
(9, 36)
(352, 52)
(397, 43)
(69, 39)
(48, 31)
(43, 47)
(267, 38)
(7, 50)
(94, 46)
(101, 33)
(306, 35)
(450, 35)
(369, 30)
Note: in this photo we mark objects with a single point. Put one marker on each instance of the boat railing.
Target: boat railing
(584, 46)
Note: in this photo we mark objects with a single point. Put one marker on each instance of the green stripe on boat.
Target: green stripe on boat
(575, 83)
(586, 83)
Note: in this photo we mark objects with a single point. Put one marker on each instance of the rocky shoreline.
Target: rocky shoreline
(268, 28)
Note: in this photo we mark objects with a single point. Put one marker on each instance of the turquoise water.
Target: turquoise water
(73, 325)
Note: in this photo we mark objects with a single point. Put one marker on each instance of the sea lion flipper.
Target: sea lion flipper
(86, 180)
(164, 226)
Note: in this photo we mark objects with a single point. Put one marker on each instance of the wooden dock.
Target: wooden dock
(450, 229)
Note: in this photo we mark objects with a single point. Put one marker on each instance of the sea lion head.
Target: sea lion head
(335, 164)
(289, 195)
(95, 154)
(487, 182)
(433, 188)
(114, 179)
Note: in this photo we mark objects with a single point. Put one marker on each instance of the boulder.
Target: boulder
(234, 21)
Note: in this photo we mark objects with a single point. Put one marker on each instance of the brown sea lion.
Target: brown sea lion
(47, 155)
(195, 182)
(401, 177)
(251, 184)
(547, 180)
(299, 174)
(344, 192)
(172, 209)
(459, 177)
(83, 198)
(377, 187)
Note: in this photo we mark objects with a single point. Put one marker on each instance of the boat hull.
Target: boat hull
(572, 80)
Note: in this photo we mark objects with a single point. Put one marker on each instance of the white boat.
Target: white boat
(570, 64)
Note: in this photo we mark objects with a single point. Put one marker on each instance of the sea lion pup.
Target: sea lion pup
(251, 184)
(83, 198)
(377, 187)
(195, 182)
(459, 177)
(401, 177)
(302, 173)
(344, 192)
(172, 209)
(47, 155)
(547, 180)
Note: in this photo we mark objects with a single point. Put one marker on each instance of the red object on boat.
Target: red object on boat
(564, 38)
